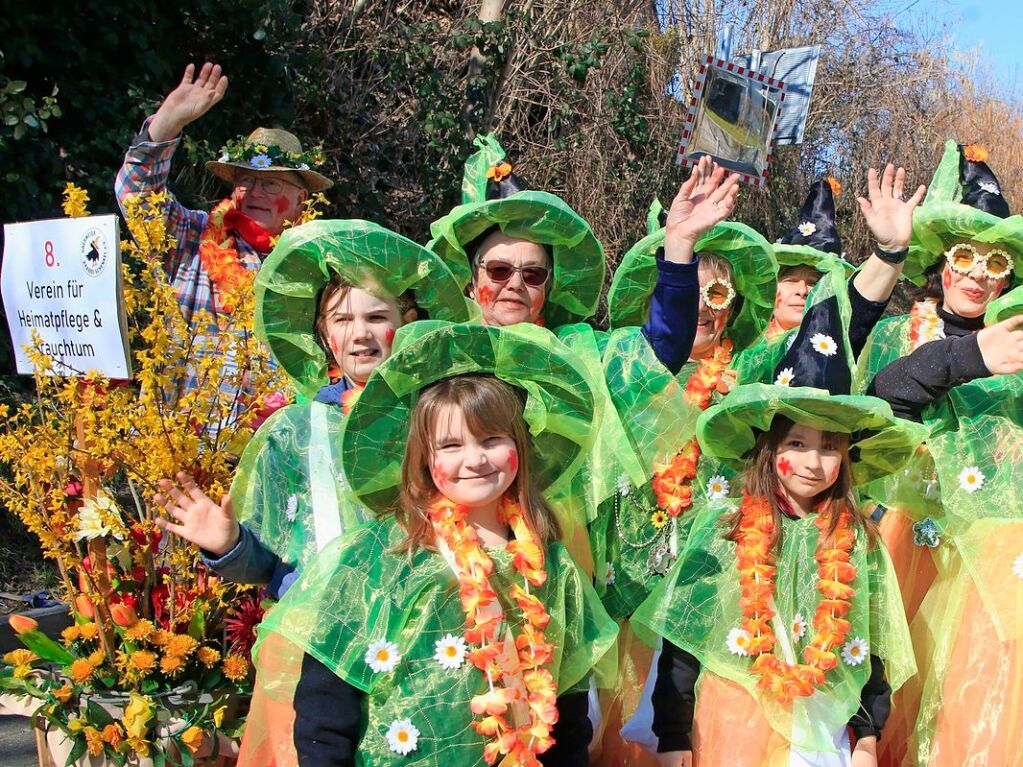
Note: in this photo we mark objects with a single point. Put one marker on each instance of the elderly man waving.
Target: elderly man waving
(216, 252)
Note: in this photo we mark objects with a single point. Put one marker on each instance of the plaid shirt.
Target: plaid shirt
(145, 169)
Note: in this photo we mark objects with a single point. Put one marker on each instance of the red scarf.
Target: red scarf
(254, 234)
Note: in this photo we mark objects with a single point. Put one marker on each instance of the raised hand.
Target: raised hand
(194, 97)
(1001, 346)
(705, 198)
(200, 520)
(889, 217)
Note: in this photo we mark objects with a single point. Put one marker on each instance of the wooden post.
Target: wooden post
(89, 471)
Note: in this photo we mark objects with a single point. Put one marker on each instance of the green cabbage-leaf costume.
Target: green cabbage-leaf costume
(540, 217)
(637, 547)
(289, 489)
(359, 592)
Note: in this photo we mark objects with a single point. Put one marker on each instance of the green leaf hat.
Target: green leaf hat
(752, 260)
(812, 386)
(493, 197)
(365, 255)
(559, 407)
(964, 202)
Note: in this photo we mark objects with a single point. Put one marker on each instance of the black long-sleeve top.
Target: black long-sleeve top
(674, 700)
(328, 719)
(911, 383)
(865, 316)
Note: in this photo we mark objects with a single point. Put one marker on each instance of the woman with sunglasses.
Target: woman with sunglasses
(954, 518)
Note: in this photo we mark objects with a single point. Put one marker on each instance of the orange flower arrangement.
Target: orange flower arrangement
(975, 153)
(349, 398)
(499, 172)
(528, 688)
(780, 680)
(219, 256)
(672, 484)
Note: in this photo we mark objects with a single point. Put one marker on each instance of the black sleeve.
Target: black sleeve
(865, 315)
(328, 715)
(911, 383)
(572, 733)
(875, 703)
(674, 699)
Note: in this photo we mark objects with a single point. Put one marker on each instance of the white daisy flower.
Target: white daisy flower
(291, 508)
(798, 626)
(823, 344)
(225, 157)
(971, 479)
(1017, 567)
(382, 656)
(609, 576)
(717, 488)
(303, 166)
(855, 651)
(738, 642)
(402, 737)
(807, 228)
(785, 377)
(449, 652)
(624, 486)
(990, 188)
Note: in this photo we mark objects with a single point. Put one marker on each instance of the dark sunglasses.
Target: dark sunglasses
(502, 271)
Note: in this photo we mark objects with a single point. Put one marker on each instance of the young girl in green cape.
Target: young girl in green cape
(455, 631)
(331, 295)
(781, 621)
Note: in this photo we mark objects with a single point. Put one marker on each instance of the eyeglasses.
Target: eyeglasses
(502, 271)
(270, 185)
(964, 258)
(718, 294)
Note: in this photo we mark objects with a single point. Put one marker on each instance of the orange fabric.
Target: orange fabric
(981, 717)
(730, 729)
(269, 739)
(914, 566)
(633, 664)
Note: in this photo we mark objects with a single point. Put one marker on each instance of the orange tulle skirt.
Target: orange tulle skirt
(915, 568)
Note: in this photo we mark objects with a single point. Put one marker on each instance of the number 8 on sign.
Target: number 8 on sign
(48, 248)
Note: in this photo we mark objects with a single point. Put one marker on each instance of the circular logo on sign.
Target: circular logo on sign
(94, 251)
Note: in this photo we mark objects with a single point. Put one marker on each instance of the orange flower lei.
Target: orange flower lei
(219, 257)
(515, 674)
(349, 398)
(835, 572)
(924, 323)
(672, 484)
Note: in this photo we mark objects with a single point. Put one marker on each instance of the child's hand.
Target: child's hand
(706, 198)
(209, 526)
(675, 759)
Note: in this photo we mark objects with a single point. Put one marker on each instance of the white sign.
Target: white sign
(62, 280)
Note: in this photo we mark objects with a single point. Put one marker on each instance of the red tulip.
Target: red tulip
(123, 615)
(22, 624)
(85, 607)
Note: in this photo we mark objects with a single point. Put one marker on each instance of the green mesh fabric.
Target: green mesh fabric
(357, 593)
(968, 481)
(540, 217)
(943, 220)
(752, 260)
(881, 443)
(1005, 306)
(560, 403)
(366, 256)
(697, 605)
(289, 488)
(799, 255)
